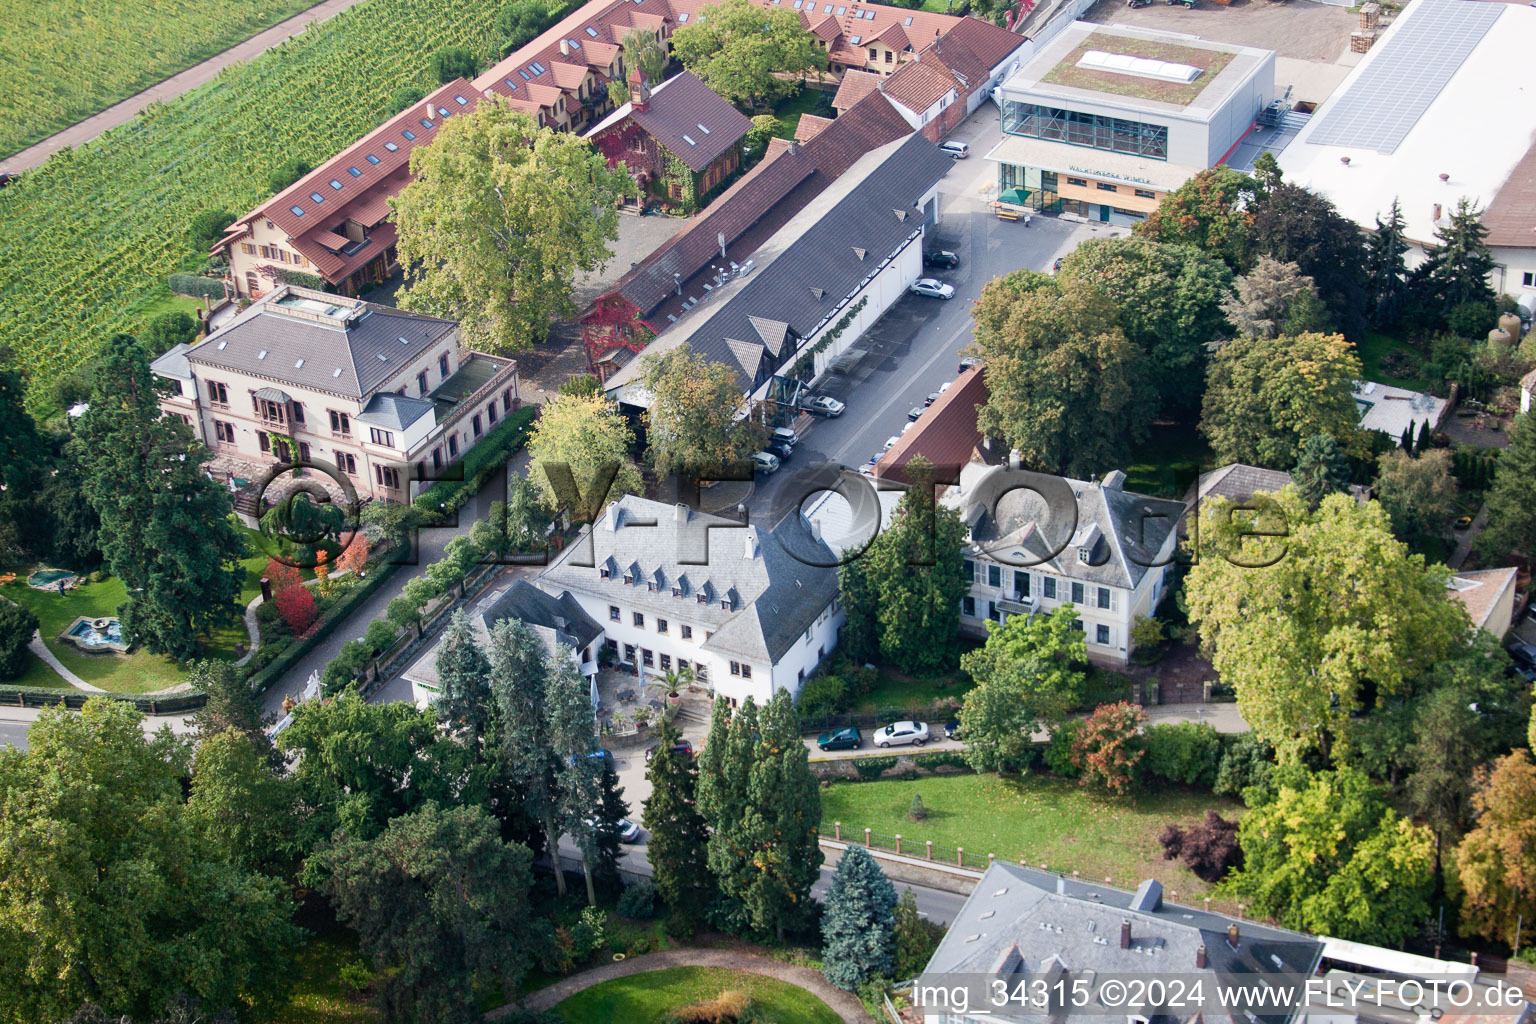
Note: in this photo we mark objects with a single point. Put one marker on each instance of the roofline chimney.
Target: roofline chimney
(1233, 937)
(1125, 933)
(1202, 958)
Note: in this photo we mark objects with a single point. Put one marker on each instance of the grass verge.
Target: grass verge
(652, 997)
(1037, 817)
(1375, 349)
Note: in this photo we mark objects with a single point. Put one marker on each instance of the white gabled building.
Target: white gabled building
(674, 587)
(1111, 562)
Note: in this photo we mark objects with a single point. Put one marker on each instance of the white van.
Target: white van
(957, 150)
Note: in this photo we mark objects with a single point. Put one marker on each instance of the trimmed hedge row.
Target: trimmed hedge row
(378, 573)
(480, 463)
(195, 285)
(43, 696)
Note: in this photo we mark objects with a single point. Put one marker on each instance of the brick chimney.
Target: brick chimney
(1232, 936)
(1125, 934)
(639, 90)
(1202, 959)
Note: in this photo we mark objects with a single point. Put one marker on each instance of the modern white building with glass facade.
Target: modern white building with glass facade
(1105, 120)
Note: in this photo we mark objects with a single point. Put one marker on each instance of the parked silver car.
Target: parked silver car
(899, 734)
(933, 288)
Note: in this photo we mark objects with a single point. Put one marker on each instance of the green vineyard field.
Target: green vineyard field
(68, 59)
(95, 230)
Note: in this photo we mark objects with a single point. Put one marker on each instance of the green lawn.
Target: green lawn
(137, 672)
(317, 995)
(895, 690)
(1168, 461)
(651, 998)
(788, 111)
(1378, 347)
(1044, 819)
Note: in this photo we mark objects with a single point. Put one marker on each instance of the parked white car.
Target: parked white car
(824, 405)
(933, 288)
(765, 462)
(955, 149)
(899, 734)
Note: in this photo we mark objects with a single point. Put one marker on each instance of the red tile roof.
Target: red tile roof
(919, 84)
(854, 87)
(987, 41)
(810, 126)
(946, 435)
(335, 204)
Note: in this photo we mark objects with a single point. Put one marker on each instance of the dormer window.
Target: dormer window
(1084, 554)
(677, 591)
(703, 599)
(726, 604)
(603, 573)
(629, 580)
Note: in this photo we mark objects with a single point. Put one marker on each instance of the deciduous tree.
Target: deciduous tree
(166, 528)
(1106, 750)
(1299, 620)
(1029, 675)
(1264, 396)
(858, 940)
(239, 804)
(1209, 211)
(450, 62)
(748, 54)
(1066, 387)
(1297, 225)
(440, 904)
(1208, 849)
(589, 436)
(642, 50)
(484, 238)
(1419, 493)
(1327, 855)
(1274, 298)
(693, 425)
(112, 896)
(17, 624)
(1496, 862)
(1168, 302)
(913, 569)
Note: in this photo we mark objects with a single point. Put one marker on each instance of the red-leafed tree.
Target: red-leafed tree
(283, 577)
(1106, 748)
(297, 607)
(355, 555)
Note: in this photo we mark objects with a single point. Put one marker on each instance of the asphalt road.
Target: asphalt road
(915, 348)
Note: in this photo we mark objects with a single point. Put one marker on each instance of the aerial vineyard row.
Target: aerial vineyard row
(68, 59)
(96, 229)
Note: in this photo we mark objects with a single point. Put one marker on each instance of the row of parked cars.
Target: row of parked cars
(897, 734)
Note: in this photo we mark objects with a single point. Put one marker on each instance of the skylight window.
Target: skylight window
(538, 68)
(461, 101)
(317, 197)
(510, 84)
(798, 3)
(392, 147)
(443, 112)
(409, 134)
(591, 31)
(262, 354)
(299, 365)
(869, 15)
(336, 184)
(908, 22)
(297, 211)
(526, 76)
(703, 129)
(842, 11)
(855, 40)
(689, 139)
(354, 172)
(574, 44)
(372, 159)
(337, 372)
(425, 123)
(682, 19)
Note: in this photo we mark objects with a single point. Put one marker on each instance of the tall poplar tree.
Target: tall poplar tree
(463, 674)
(520, 684)
(572, 731)
(679, 844)
(782, 823)
(166, 529)
(724, 766)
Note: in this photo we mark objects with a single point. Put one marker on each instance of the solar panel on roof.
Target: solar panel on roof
(1405, 75)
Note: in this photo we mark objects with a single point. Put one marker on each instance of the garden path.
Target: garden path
(844, 1004)
(37, 647)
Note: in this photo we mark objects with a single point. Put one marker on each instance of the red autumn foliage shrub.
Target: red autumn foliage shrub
(297, 607)
(1107, 748)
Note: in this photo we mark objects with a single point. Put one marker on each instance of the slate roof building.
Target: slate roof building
(664, 285)
(367, 388)
(333, 222)
(679, 122)
(1021, 922)
(1102, 549)
(857, 247)
(557, 619)
(751, 611)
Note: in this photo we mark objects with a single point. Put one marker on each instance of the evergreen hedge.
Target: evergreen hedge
(378, 571)
(200, 287)
(480, 463)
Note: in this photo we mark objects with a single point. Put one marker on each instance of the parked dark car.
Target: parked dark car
(940, 258)
(783, 449)
(933, 396)
(602, 752)
(1524, 657)
(952, 729)
(682, 747)
(967, 363)
(840, 739)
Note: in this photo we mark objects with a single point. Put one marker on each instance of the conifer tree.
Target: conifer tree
(1321, 469)
(1386, 273)
(463, 675)
(1512, 498)
(611, 809)
(679, 844)
(166, 529)
(858, 940)
(724, 768)
(572, 731)
(782, 823)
